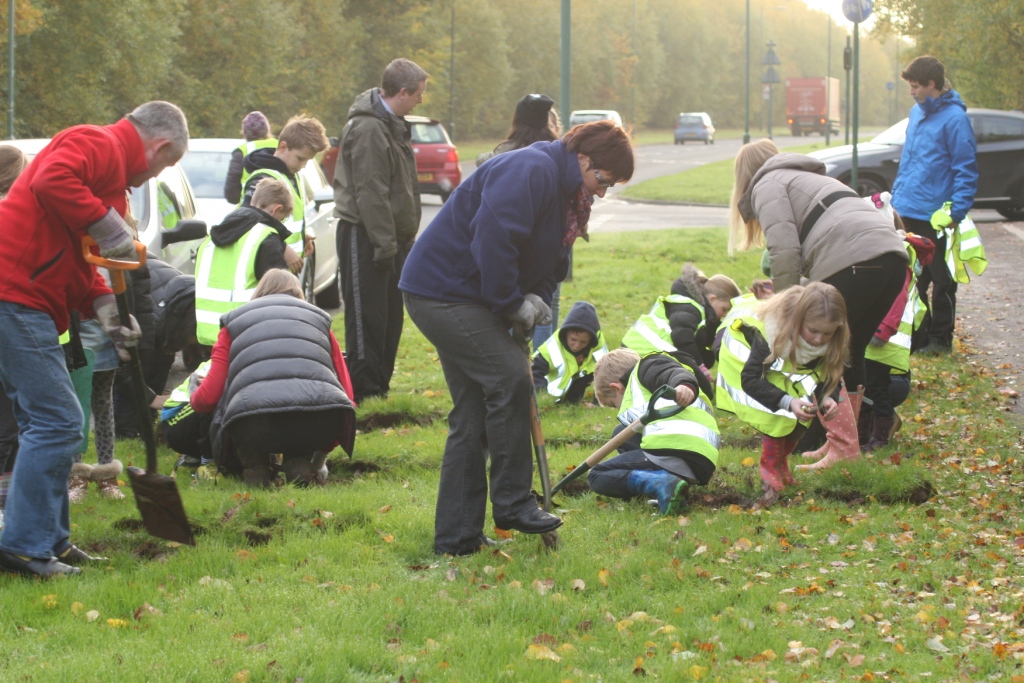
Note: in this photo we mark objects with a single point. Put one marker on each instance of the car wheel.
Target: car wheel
(307, 277)
(706, 141)
(1013, 212)
(712, 141)
(330, 298)
(867, 186)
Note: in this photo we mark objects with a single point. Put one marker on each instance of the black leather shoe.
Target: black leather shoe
(75, 555)
(530, 521)
(33, 566)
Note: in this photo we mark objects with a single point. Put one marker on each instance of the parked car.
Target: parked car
(437, 157)
(206, 165)
(1000, 138)
(694, 126)
(164, 207)
(587, 115)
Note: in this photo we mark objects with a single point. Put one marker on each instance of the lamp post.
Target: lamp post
(771, 60)
(856, 11)
(828, 84)
(566, 60)
(451, 79)
(10, 69)
(747, 80)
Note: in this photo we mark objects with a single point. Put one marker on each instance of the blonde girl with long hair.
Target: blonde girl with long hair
(779, 366)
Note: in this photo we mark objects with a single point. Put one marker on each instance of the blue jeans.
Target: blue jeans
(35, 375)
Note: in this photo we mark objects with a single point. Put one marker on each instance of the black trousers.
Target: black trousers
(886, 391)
(8, 433)
(188, 433)
(941, 318)
(869, 290)
(294, 434)
(373, 311)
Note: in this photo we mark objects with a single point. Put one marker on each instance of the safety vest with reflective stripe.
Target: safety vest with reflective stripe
(250, 146)
(178, 405)
(169, 215)
(896, 351)
(694, 429)
(225, 279)
(963, 245)
(797, 382)
(562, 365)
(651, 332)
(297, 223)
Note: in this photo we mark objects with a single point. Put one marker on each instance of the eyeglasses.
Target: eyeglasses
(600, 179)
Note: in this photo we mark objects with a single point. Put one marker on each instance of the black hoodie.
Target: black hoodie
(683, 319)
(264, 158)
(582, 316)
(240, 221)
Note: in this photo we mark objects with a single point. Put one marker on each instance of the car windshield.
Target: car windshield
(138, 201)
(428, 134)
(207, 172)
(895, 135)
(690, 120)
(587, 118)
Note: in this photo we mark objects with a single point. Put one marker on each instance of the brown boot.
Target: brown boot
(78, 481)
(105, 477)
(880, 433)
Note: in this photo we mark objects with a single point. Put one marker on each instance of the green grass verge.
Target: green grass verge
(707, 184)
(339, 583)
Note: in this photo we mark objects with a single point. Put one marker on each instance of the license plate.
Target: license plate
(424, 177)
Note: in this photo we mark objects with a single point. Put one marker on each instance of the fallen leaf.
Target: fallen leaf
(385, 509)
(748, 462)
(855, 660)
(603, 576)
(502, 534)
(92, 615)
(544, 639)
(535, 651)
(936, 645)
(147, 610)
(241, 676)
(701, 549)
(116, 623)
(697, 672)
(543, 587)
(451, 574)
(326, 514)
(578, 585)
(76, 608)
(49, 601)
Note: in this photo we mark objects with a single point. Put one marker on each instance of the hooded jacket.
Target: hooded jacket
(500, 236)
(850, 231)
(240, 221)
(264, 158)
(939, 161)
(375, 181)
(688, 336)
(582, 316)
(71, 184)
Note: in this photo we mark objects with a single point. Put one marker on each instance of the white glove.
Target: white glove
(114, 237)
(123, 337)
(543, 316)
(526, 315)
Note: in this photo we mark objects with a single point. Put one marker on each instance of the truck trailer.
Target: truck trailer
(812, 104)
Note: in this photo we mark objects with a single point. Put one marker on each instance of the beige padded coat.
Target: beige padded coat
(851, 231)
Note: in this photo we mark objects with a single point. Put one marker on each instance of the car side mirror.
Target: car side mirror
(186, 230)
(322, 196)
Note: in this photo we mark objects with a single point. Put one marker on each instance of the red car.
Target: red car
(437, 159)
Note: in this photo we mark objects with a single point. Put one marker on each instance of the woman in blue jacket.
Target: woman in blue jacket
(491, 258)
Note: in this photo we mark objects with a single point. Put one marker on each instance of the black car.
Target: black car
(1000, 136)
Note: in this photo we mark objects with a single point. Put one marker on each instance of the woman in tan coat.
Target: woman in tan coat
(816, 227)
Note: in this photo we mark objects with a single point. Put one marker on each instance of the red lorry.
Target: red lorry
(811, 104)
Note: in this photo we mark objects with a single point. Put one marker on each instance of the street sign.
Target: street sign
(889, 85)
(770, 76)
(857, 10)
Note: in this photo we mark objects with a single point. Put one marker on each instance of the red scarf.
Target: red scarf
(577, 217)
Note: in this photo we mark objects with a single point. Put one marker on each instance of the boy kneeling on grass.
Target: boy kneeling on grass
(671, 453)
(564, 364)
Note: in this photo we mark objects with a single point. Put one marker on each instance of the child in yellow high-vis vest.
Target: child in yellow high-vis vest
(779, 365)
(671, 453)
(564, 364)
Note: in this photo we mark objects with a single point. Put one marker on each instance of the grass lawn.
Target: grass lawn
(853, 576)
(706, 184)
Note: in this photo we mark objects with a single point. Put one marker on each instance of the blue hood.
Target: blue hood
(582, 316)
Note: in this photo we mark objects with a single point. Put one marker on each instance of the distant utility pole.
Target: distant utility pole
(10, 69)
(566, 60)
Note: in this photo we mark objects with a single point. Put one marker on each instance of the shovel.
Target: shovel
(536, 432)
(156, 495)
(622, 437)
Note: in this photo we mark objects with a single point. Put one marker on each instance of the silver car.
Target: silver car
(206, 165)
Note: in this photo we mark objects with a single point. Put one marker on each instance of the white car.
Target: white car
(164, 208)
(587, 115)
(206, 165)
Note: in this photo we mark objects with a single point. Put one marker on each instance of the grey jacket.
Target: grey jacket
(851, 231)
(375, 177)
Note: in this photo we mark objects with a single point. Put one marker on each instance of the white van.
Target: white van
(587, 115)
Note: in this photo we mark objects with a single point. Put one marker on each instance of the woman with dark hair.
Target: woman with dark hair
(535, 120)
(489, 260)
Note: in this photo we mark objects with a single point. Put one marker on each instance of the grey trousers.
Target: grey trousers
(491, 387)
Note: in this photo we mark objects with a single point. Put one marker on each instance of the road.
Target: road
(614, 214)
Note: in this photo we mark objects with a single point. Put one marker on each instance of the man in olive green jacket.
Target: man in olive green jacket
(377, 203)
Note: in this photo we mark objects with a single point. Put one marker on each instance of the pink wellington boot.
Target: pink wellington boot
(842, 443)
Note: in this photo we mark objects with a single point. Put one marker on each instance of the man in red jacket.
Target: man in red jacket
(74, 187)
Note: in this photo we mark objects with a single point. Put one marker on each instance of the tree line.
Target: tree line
(91, 61)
